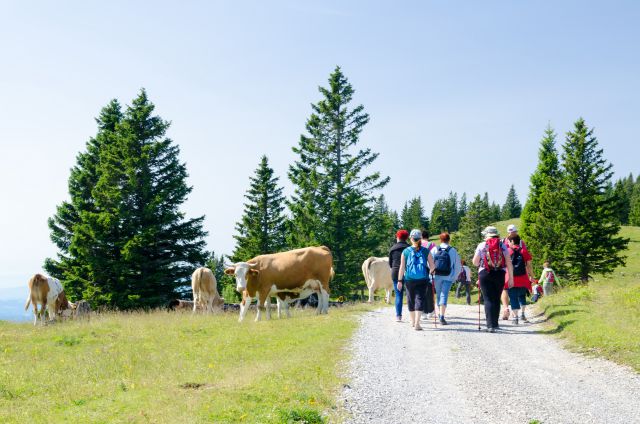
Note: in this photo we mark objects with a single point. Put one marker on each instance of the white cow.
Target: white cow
(205, 291)
(377, 275)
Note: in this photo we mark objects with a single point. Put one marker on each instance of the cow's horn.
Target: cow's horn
(252, 265)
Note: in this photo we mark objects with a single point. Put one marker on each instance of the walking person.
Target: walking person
(429, 307)
(395, 253)
(416, 264)
(548, 278)
(504, 298)
(447, 267)
(522, 277)
(464, 281)
(493, 261)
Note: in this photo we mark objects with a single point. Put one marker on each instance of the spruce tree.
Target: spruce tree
(382, 227)
(262, 226)
(438, 222)
(540, 229)
(512, 207)
(588, 217)
(471, 226)
(65, 225)
(333, 200)
(134, 243)
(413, 216)
(634, 207)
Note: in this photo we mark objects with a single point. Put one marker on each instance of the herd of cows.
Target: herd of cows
(288, 276)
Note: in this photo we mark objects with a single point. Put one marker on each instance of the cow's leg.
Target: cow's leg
(387, 298)
(195, 304)
(286, 307)
(267, 305)
(279, 303)
(259, 307)
(324, 300)
(371, 291)
(35, 313)
(244, 307)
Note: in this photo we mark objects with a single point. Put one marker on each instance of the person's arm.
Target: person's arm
(390, 259)
(401, 272)
(476, 258)
(529, 267)
(432, 264)
(543, 276)
(507, 258)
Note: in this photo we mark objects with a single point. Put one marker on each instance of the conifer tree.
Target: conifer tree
(512, 207)
(382, 227)
(413, 215)
(333, 199)
(540, 228)
(588, 216)
(478, 216)
(634, 206)
(623, 191)
(135, 245)
(438, 222)
(262, 226)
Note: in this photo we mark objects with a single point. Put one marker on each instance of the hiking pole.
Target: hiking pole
(478, 307)
(433, 290)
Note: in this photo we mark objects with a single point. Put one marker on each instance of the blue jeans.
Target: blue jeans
(517, 297)
(398, 298)
(442, 290)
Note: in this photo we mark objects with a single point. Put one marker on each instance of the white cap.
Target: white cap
(512, 229)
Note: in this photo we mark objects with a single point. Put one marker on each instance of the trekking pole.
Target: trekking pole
(478, 307)
(433, 289)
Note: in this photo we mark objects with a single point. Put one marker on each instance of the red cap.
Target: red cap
(402, 234)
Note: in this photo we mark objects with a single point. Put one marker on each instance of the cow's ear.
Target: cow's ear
(254, 271)
(230, 271)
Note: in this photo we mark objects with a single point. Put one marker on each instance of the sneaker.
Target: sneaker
(515, 320)
(443, 321)
(430, 315)
(398, 319)
(523, 318)
(424, 316)
(418, 328)
(492, 330)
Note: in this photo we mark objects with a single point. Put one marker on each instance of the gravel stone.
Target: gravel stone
(439, 375)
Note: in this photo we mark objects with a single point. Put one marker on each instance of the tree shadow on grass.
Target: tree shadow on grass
(559, 328)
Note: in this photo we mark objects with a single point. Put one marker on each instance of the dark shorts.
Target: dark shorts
(416, 294)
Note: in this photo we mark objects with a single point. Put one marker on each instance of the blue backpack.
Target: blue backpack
(417, 266)
(443, 261)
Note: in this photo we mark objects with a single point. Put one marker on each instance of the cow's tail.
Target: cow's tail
(332, 274)
(365, 271)
(26, 305)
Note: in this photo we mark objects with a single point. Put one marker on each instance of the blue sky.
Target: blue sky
(453, 89)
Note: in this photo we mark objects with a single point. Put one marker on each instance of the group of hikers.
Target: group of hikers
(428, 271)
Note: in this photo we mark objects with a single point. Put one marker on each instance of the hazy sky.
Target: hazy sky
(453, 89)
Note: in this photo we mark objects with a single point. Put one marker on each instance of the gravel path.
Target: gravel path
(399, 375)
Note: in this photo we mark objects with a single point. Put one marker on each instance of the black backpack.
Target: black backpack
(519, 266)
(442, 261)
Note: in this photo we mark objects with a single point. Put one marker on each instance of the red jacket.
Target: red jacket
(519, 280)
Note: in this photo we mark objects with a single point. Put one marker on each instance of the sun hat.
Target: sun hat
(402, 234)
(490, 231)
(512, 229)
(416, 235)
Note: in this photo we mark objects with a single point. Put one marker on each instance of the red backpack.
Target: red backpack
(493, 258)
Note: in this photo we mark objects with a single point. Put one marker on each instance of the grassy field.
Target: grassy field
(602, 318)
(168, 367)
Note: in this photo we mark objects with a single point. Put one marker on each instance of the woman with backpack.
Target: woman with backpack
(447, 266)
(548, 279)
(522, 277)
(493, 261)
(415, 265)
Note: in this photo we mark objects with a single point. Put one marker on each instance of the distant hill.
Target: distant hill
(12, 304)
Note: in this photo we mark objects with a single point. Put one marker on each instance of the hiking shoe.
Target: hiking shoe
(443, 321)
(515, 320)
(424, 316)
(492, 330)
(523, 318)
(398, 319)
(418, 328)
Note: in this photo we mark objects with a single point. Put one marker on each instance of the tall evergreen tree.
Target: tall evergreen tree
(382, 226)
(438, 222)
(462, 207)
(262, 226)
(623, 191)
(413, 215)
(333, 201)
(587, 216)
(540, 227)
(134, 243)
(512, 207)
(634, 205)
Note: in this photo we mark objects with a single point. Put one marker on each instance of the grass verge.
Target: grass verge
(168, 367)
(603, 317)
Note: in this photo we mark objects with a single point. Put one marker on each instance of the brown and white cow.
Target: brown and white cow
(49, 294)
(377, 275)
(300, 271)
(205, 291)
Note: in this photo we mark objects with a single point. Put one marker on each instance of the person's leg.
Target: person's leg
(428, 304)
(410, 285)
(467, 286)
(445, 288)
(398, 299)
(547, 289)
(484, 288)
(523, 303)
(460, 283)
(421, 288)
(514, 300)
(505, 304)
(496, 286)
(438, 285)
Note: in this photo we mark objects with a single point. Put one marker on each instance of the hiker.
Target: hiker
(394, 263)
(416, 264)
(548, 279)
(522, 277)
(447, 268)
(464, 280)
(429, 308)
(537, 292)
(504, 298)
(493, 260)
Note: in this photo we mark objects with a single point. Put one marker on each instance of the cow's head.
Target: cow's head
(242, 271)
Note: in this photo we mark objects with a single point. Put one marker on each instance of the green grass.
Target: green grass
(602, 318)
(168, 367)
